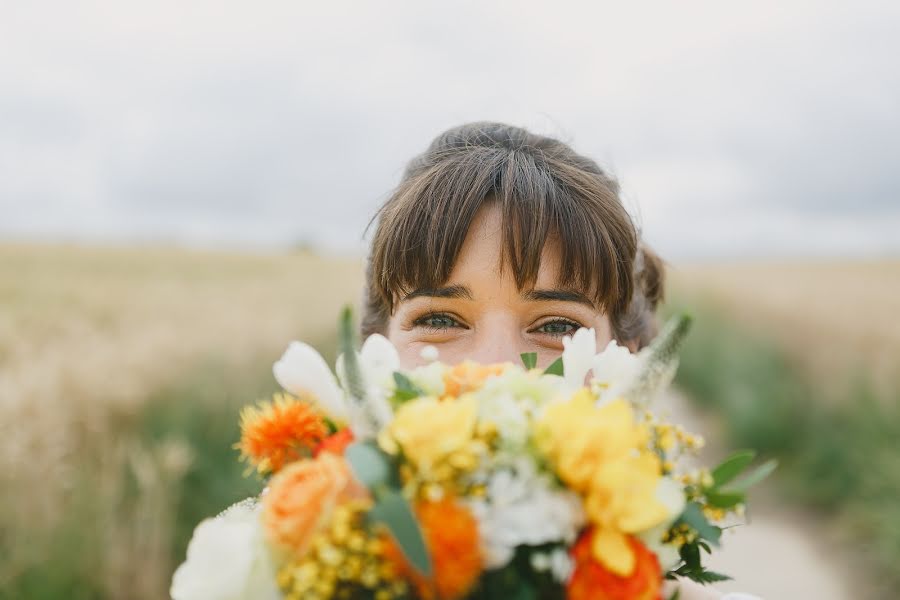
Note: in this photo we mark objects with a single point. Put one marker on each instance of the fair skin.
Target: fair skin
(479, 314)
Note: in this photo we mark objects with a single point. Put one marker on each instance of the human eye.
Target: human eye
(437, 322)
(557, 328)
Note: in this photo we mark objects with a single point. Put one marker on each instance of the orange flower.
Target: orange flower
(301, 498)
(469, 376)
(336, 443)
(451, 535)
(278, 432)
(591, 581)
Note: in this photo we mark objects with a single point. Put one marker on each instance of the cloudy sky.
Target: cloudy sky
(736, 129)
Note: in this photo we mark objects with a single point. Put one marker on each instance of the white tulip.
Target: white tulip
(227, 560)
(302, 370)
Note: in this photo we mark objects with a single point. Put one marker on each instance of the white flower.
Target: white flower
(522, 507)
(578, 355)
(557, 561)
(378, 360)
(508, 416)
(429, 378)
(614, 370)
(302, 370)
(227, 560)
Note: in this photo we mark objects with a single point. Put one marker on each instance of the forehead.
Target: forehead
(483, 255)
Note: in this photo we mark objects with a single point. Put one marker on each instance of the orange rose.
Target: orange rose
(591, 581)
(301, 498)
(451, 536)
(469, 376)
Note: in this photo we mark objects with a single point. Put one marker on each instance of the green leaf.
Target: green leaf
(529, 359)
(754, 477)
(351, 359)
(723, 499)
(370, 465)
(706, 577)
(693, 516)
(405, 388)
(731, 467)
(392, 509)
(555, 368)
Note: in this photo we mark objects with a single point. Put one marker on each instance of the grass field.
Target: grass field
(122, 371)
(802, 362)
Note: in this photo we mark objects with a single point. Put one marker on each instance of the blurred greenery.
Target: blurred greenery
(201, 409)
(836, 437)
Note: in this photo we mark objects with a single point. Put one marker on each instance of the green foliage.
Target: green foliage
(376, 470)
(404, 389)
(555, 368)
(201, 410)
(394, 512)
(836, 439)
(529, 359)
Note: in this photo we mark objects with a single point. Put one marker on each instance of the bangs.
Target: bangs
(422, 227)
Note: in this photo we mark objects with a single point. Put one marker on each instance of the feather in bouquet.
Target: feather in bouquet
(467, 481)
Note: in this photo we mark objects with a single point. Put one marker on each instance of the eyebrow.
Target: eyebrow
(558, 296)
(453, 292)
(462, 292)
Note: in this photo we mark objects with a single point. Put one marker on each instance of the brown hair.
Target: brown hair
(544, 189)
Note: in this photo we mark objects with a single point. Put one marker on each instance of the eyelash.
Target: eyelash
(424, 319)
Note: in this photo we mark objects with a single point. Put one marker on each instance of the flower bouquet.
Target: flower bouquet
(467, 481)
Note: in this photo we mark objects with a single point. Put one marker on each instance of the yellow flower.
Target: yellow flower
(623, 500)
(577, 436)
(602, 453)
(428, 430)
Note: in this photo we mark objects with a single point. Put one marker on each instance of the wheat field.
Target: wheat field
(833, 317)
(87, 336)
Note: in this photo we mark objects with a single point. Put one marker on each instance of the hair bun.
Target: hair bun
(651, 276)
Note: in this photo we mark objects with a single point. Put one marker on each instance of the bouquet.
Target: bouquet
(467, 481)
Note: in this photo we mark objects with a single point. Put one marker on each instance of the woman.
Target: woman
(499, 241)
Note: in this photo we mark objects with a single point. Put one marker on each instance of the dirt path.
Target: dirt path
(782, 554)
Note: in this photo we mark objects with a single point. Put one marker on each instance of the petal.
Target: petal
(302, 370)
(379, 359)
(577, 356)
(611, 549)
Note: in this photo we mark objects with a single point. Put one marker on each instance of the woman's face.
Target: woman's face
(480, 315)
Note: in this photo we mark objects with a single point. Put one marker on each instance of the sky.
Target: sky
(736, 129)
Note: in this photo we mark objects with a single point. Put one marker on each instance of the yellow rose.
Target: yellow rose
(578, 436)
(428, 430)
(602, 453)
(622, 499)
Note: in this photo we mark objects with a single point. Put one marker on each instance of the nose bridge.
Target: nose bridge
(497, 340)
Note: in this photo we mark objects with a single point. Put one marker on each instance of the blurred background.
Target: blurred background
(184, 188)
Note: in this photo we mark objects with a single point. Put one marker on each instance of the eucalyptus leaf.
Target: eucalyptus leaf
(392, 509)
(405, 389)
(754, 477)
(693, 516)
(723, 499)
(370, 465)
(731, 467)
